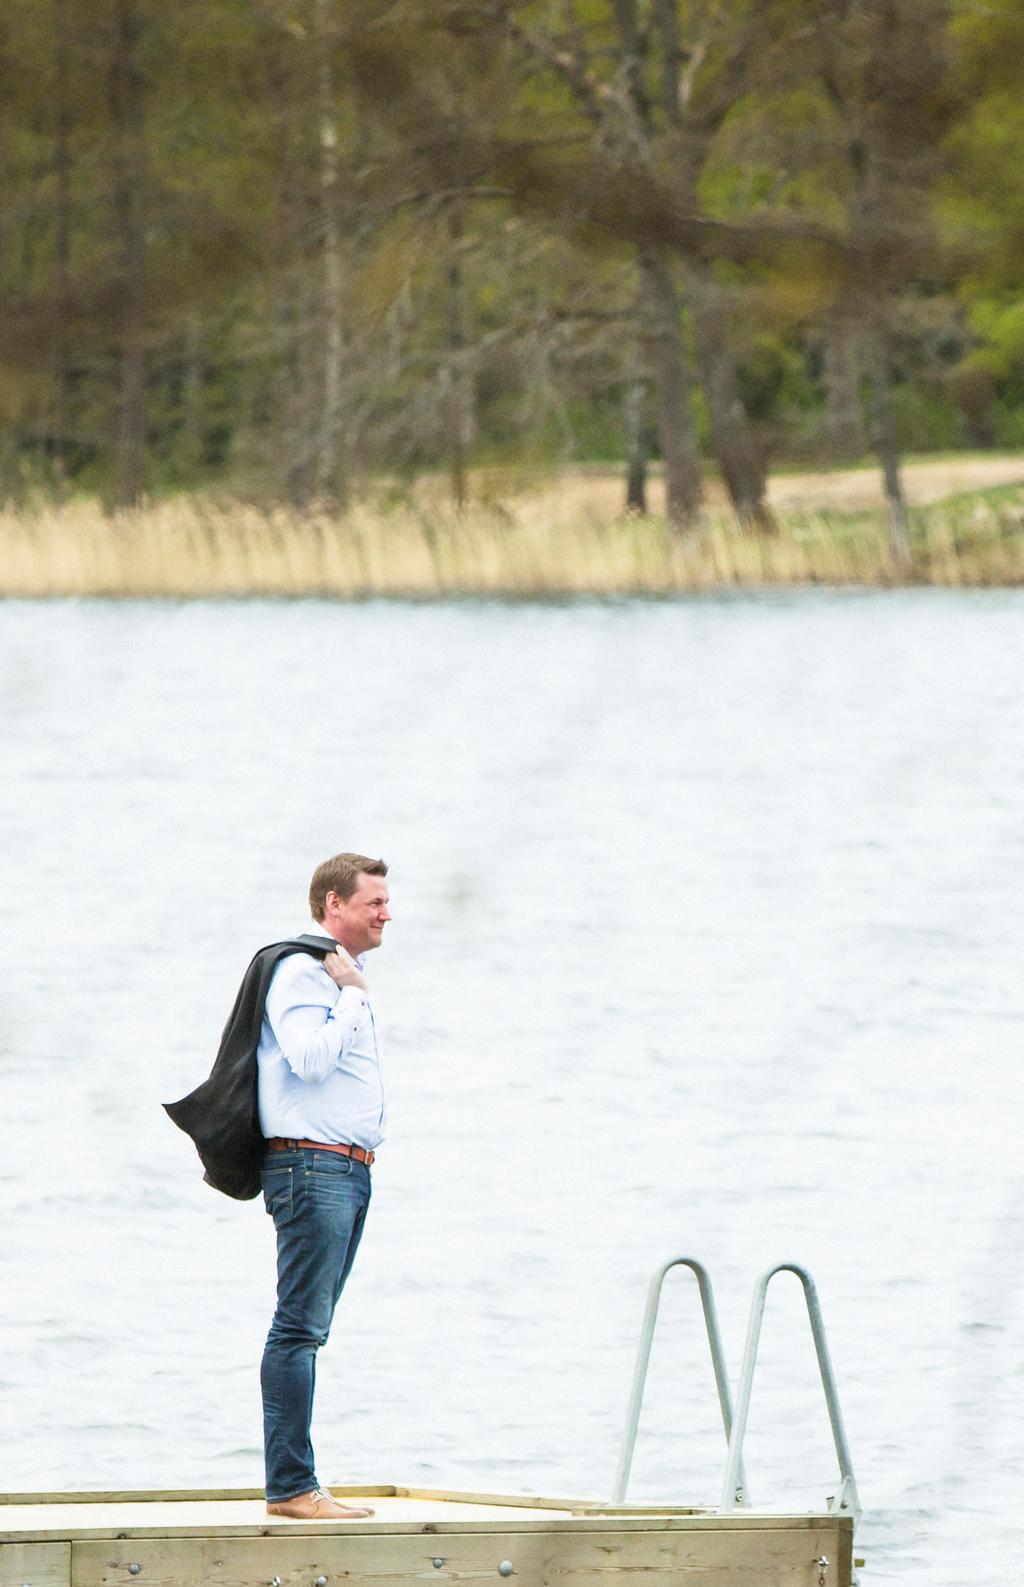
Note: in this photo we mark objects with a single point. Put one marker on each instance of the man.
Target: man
(322, 1116)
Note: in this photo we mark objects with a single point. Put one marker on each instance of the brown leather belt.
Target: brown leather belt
(278, 1143)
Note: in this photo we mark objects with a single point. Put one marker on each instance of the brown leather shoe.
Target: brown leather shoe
(317, 1506)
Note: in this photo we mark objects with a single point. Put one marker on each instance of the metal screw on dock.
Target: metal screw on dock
(134, 1570)
(437, 1563)
(321, 1581)
(505, 1568)
(275, 1581)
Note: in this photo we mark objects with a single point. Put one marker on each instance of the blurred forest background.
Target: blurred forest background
(286, 249)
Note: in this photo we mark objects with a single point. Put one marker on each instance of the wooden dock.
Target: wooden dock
(416, 1537)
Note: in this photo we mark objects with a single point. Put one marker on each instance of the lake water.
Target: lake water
(708, 939)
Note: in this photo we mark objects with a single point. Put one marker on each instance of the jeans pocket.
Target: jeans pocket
(277, 1193)
(330, 1165)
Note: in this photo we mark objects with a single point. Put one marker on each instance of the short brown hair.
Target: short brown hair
(340, 874)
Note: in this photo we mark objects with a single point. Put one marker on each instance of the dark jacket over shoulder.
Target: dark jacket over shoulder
(222, 1115)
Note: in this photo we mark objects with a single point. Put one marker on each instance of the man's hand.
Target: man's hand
(343, 971)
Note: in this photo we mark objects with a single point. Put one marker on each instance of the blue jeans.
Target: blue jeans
(318, 1202)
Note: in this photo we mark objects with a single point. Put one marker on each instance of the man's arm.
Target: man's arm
(312, 1021)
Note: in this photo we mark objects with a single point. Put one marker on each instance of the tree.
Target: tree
(297, 245)
(654, 99)
(982, 212)
(885, 69)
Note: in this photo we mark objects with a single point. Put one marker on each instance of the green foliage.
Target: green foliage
(1008, 425)
(774, 378)
(927, 421)
(462, 220)
(999, 325)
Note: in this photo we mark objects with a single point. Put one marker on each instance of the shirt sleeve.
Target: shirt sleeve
(313, 1020)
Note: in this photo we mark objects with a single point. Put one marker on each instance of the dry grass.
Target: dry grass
(560, 537)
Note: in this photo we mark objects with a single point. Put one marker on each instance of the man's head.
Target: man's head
(349, 897)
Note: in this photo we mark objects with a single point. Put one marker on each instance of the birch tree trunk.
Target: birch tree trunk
(284, 333)
(457, 380)
(844, 422)
(887, 446)
(660, 307)
(331, 483)
(666, 357)
(62, 242)
(743, 472)
(192, 394)
(129, 167)
(876, 155)
(635, 408)
(296, 284)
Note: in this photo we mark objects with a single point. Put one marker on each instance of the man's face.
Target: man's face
(358, 922)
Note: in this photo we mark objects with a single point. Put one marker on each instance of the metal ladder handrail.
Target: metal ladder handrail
(846, 1499)
(707, 1298)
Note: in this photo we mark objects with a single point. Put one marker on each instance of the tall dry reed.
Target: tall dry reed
(555, 542)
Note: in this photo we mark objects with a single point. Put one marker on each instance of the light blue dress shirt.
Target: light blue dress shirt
(318, 1059)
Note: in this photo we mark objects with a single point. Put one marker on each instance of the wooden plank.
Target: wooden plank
(224, 1517)
(41, 1525)
(511, 1501)
(35, 1564)
(177, 1495)
(553, 1557)
(630, 1511)
(537, 1502)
